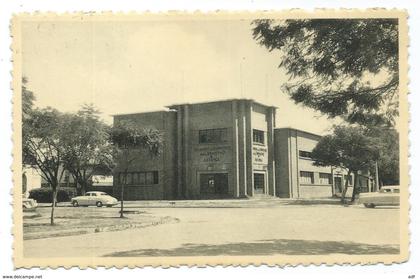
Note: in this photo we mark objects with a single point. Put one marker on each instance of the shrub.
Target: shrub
(44, 195)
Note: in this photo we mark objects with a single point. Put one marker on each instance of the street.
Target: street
(264, 230)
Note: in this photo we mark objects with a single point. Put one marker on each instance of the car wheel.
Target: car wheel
(99, 204)
(75, 204)
(369, 205)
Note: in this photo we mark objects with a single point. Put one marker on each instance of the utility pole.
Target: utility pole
(332, 182)
(376, 176)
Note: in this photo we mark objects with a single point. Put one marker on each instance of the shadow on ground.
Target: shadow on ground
(266, 247)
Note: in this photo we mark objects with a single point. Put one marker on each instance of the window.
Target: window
(385, 190)
(325, 178)
(305, 154)
(258, 136)
(140, 178)
(155, 177)
(212, 135)
(129, 180)
(307, 177)
(149, 178)
(66, 177)
(135, 178)
(350, 179)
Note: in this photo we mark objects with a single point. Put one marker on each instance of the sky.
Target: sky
(137, 66)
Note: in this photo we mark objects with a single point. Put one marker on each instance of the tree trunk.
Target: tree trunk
(54, 201)
(355, 188)
(346, 185)
(122, 194)
(83, 188)
(122, 202)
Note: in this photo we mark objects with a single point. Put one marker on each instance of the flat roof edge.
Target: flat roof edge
(142, 112)
(299, 130)
(220, 101)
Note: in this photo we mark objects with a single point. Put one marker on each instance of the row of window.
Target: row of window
(307, 177)
(212, 135)
(138, 178)
(220, 136)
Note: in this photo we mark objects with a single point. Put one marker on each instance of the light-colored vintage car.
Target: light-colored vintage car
(29, 204)
(387, 195)
(94, 198)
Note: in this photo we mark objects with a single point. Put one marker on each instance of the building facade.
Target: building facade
(218, 149)
(296, 176)
(223, 149)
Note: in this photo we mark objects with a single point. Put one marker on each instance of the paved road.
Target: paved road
(293, 230)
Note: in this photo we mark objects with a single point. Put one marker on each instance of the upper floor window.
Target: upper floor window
(212, 135)
(258, 136)
(305, 154)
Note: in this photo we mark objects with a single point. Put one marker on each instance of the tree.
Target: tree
(387, 141)
(349, 148)
(86, 146)
(42, 146)
(28, 99)
(129, 141)
(340, 67)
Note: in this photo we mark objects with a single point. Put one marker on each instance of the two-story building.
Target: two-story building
(224, 149)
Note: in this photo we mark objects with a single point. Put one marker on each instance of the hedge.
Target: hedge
(44, 195)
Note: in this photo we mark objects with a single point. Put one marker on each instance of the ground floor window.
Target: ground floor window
(350, 179)
(307, 177)
(325, 178)
(139, 178)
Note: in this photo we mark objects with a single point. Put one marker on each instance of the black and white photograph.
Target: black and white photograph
(210, 139)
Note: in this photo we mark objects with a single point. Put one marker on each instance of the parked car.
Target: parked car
(94, 198)
(387, 195)
(29, 204)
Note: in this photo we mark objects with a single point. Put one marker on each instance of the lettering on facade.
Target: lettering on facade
(212, 156)
(259, 155)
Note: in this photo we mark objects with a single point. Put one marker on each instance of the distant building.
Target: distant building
(224, 149)
(99, 182)
(31, 179)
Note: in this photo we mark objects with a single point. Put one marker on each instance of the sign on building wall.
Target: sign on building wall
(212, 155)
(259, 155)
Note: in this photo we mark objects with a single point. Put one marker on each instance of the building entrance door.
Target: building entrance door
(214, 185)
(338, 185)
(259, 183)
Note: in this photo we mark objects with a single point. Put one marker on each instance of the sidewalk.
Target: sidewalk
(221, 203)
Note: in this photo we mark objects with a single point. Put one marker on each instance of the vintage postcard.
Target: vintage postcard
(225, 138)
